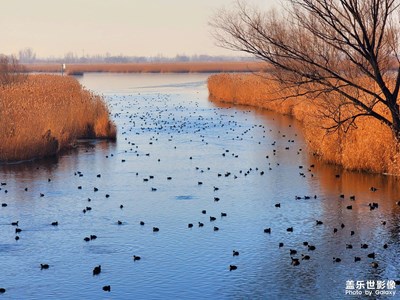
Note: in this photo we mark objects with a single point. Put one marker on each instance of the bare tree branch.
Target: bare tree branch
(347, 48)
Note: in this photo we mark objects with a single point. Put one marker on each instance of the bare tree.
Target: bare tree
(348, 49)
(11, 71)
(26, 55)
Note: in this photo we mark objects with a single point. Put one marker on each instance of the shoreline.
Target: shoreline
(46, 114)
(370, 147)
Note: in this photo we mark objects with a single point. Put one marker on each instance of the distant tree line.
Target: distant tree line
(11, 71)
(28, 56)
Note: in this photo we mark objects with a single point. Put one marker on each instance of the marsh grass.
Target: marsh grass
(368, 146)
(48, 113)
(167, 67)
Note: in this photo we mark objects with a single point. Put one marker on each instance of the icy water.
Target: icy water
(181, 159)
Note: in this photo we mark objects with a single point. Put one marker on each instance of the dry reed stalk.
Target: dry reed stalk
(46, 114)
(368, 147)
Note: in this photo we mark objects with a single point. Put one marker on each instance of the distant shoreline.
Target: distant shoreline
(167, 67)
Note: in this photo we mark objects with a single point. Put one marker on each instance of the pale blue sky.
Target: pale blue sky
(128, 27)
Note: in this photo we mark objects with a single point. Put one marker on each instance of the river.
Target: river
(182, 159)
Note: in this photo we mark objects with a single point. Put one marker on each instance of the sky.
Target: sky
(53, 28)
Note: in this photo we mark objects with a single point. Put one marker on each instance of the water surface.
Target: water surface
(178, 154)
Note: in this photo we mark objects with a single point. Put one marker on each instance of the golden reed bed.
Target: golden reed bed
(47, 113)
(371, 147)
(172, 67)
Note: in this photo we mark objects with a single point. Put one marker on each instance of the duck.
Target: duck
(349, 246)
(232, 267)
(364, 246)
(290, 229)
(281, 245)
(295, 261)
(305, 257)
(374, 264)
(190, 225)
(141, 223)
(15, 223)
(371, 255)
(319, 222)
(2, 290)
(235, 253)
(216, 228)
(311, 247)
(156, 229)
(356, 259)
(107, 288)
(54, 223)
(136, 258)
(212, 219)
(97, 270)
(336, 259)
(267, 230)
(86, 239)
(292, 251)
(223, 214)
(44, 266)
(201, 224)
(278, 205)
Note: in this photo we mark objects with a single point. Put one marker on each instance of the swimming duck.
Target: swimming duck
(136, 258)
(107, 288)
(336, 259)
(97, 270)
(295, 261)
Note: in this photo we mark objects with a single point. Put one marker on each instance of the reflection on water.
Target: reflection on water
(181, 159)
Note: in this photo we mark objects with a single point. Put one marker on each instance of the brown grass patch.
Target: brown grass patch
(369, 147)
(47, 113)
(173, 67)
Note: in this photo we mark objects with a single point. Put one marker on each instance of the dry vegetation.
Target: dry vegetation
(367, 146)
(173, 67)
(46, 113)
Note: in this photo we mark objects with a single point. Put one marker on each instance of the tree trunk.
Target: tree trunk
(396, 121)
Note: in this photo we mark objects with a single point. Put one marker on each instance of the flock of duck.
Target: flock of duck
(153, 117)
